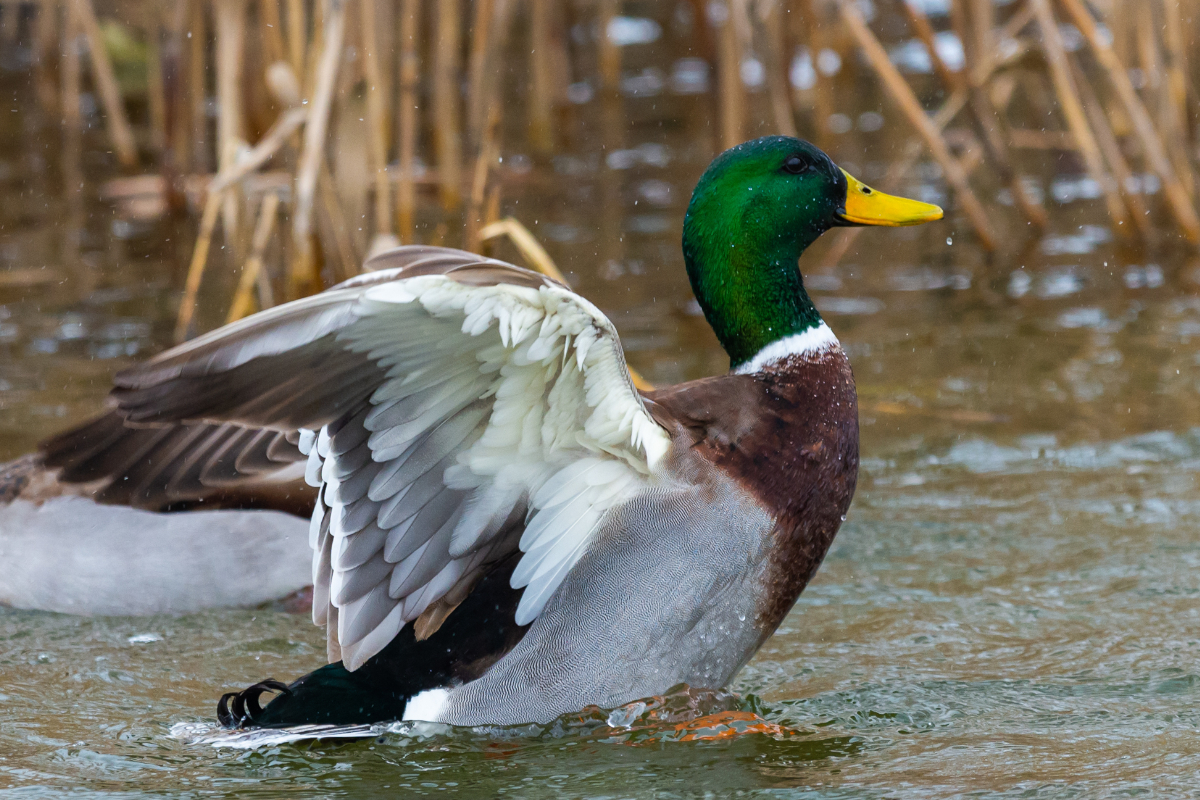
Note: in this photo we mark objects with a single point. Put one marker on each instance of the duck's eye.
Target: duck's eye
(795, 165)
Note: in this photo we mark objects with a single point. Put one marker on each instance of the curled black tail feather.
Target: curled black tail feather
(473, 638)
(242, 709)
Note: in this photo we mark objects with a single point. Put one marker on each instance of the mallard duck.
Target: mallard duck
(505, 529)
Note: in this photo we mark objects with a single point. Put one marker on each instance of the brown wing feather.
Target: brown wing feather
(155, 468)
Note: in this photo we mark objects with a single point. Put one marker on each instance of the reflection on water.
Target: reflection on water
(1011, 608)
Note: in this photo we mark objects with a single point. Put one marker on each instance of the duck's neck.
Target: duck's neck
(747, 280)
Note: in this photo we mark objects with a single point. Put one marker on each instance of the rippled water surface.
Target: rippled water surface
(1011, 609)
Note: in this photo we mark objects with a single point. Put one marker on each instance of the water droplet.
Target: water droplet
(741, 617)
(949, 240)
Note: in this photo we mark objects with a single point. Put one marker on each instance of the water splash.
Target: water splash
(683, 714)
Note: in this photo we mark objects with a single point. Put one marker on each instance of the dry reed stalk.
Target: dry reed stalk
(983, 21)
(541, 101)
(124, 145)
(988, 123)
(1112, 154)
(972, 156)
(197, 153)
(155, 88)
(1001, 92)
(272, 141)
(1174, 103)
(208, 223)
(406, 123)
(910, 106)
(447, 119)
(920, 26)
(45, 43)
(491, 209)
(271, 32)
(283, 85)
(981, 73)
(266, 294)
(488, 149)
(961, 27)
(610, 53)
(993, 133)
(560, 62)
(352, 74)
(231, 34)
(730, 89)
(948, 110)
(335, 222)
(270, 19)
(1022, 17)
(845, 237)
(377, 129)
(823, 89)
(777, 69)
(1031, 139)
(1146, 43)
(1040, 95)
(252, 273)
(1072, 109)
(531, 249)
(1155, 93)
(70, 72)
(1121, 29)
(479, 77)
(1152, 146)
(1176, 52)
(303, 277)
(488, 154)
(1150, 65)
(297, 35)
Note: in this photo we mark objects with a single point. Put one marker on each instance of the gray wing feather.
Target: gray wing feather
(408, 503)
(418, 528)
(353, 518)
(349, 585)
(352, 551)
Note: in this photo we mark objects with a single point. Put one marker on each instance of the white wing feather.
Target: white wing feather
(495, 398)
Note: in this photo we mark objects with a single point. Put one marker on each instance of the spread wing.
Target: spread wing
(452, 408)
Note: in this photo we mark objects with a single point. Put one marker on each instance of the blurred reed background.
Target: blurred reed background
(305, 135)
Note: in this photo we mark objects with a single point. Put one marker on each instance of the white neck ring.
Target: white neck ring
(812, 341)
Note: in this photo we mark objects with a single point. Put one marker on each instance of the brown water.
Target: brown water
(1013, 605)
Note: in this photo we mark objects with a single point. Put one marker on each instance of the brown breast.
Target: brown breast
(789, 436)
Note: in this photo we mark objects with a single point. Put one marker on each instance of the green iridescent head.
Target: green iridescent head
(754, 211)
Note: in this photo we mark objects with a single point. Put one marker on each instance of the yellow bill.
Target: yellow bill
(866, 206)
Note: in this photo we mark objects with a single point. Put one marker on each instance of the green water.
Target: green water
(1011, 609)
